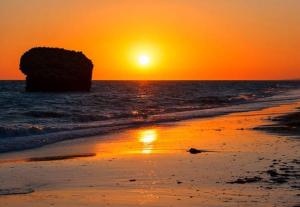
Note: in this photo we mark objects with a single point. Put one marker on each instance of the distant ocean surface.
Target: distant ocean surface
(30, 120)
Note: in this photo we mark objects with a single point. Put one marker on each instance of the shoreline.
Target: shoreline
(151, 166)
(22, 143)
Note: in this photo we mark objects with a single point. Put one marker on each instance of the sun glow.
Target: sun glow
(144, 60)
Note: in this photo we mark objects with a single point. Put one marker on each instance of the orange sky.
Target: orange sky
(185, 39)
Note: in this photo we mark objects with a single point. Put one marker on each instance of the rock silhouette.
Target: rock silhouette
(56, 70)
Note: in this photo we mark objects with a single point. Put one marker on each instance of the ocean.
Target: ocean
(29, 120)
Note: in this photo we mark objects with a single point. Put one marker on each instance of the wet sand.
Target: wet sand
(288, 124)
(154, 166)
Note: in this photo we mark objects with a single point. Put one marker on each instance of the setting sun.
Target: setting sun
(144, 60)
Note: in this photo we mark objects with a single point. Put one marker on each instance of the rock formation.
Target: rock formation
(56, 70)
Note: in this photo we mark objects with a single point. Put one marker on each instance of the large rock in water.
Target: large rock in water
(56, 69)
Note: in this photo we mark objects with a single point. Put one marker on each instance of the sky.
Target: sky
(180, 39)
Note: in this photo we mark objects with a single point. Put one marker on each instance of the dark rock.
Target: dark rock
(280, 180)
(195, 151)
(238, 181)
(272, 173)
(246, 180)
(57, 70)
(284, 168)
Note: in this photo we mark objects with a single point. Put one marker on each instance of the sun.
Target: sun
(144, 60)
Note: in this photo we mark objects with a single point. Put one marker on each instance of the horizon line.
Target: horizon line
(296, 79)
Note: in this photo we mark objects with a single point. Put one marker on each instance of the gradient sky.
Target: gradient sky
(185, 39)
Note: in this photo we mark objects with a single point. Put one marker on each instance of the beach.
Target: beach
(151, 166)
(149, 103)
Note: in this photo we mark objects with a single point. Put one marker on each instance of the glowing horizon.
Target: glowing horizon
(159, 40)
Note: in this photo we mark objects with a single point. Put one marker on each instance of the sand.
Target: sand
(152, 166)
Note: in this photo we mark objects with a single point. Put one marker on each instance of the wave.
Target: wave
(19, 131)
(45, 114)
(189, 104)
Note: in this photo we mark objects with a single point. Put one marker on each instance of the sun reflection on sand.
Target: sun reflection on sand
(140, 141)
(147, 137)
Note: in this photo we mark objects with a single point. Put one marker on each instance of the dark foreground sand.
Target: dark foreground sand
(236, 166)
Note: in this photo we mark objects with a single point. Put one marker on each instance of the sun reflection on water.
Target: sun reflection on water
(147, 137)
(147, 151)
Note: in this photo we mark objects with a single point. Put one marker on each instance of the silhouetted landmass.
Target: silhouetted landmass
(56, 69)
